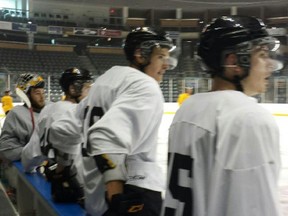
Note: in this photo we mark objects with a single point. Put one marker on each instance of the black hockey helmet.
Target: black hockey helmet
(145, 39)
(232, 34)
(74, 76)
(27, 81)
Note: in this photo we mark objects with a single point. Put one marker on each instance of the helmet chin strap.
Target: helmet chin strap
(236, 80)
(141, 67)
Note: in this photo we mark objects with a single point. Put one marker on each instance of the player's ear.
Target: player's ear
(138, 56)
(72, 89)
(230, 63)
(231, 59)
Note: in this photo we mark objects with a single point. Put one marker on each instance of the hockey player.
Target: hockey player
(18, 127)
(75, 83)
(185, 95)
(223, 147)
(7, 101)
(122, 114)
(19, 123)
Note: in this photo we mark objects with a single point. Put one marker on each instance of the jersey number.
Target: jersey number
(181, 193)
(95, 112)
(95, 115)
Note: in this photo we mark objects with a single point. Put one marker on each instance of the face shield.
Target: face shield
(171, 62)
(147, 46)
(269, 45)
(80, 84)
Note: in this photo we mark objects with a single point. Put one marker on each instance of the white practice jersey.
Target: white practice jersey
(16, 132)
(123, 112)
(224, 158)
(32, 155)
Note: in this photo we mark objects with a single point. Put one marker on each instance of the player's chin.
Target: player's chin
(159, 78)
(40, 105)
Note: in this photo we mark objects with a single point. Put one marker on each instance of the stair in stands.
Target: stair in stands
(87, 64)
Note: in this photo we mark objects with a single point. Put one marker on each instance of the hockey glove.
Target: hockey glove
(125, 204)
(65, 187)
(48, 169)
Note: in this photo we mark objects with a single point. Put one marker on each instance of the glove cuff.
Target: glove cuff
(112, 166)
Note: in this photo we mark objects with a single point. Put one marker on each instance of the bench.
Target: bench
(34, 196)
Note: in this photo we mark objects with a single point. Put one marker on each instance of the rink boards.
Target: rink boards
(279, 111)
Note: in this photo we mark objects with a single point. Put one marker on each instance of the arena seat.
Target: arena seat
(103, 62)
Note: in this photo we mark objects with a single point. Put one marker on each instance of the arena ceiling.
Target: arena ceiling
(172, 4)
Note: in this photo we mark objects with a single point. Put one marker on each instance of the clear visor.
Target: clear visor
(269, 45)
(80, 84)
(273, 55)
(275, 65)
(171, 62)
(152, 43)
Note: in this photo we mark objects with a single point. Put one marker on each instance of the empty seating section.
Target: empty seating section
(55, 89)
(170, 89)
(103, 62)
(50, 64)
(58, 61)
(21, 61)
(175, 89)
(164, 85)
(46, 63)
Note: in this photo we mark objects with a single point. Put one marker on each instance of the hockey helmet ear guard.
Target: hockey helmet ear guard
(27, 81)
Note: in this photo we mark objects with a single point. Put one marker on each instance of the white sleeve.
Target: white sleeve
(133, 118)
(66, 133)
(31, 156)
(15, 133)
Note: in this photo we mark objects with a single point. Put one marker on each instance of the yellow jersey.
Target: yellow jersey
(182, 97)
(7, 103)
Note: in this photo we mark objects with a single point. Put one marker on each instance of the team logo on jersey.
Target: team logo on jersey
(136, 208)
(136, 177)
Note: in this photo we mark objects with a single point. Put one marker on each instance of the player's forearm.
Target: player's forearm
(114, 187)
(113, 168)
(12, 154)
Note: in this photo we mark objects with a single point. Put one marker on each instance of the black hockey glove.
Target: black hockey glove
(48, 169)
(125, 204)
(65, 187)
